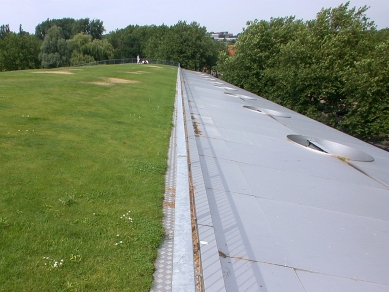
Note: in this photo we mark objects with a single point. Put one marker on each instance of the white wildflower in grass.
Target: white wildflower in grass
(127, 217)
(50, 263)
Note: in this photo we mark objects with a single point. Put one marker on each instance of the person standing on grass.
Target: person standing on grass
(138, 59)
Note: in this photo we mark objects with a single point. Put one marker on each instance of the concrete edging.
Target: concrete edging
(183, 263)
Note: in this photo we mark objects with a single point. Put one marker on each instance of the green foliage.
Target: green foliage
(79, 41)
(256, 49)
(54, 50)
(315, 68)
(84, 50)
(76, 46)
(66, 25)
(367, 92)
(68, 41)
(70, 27)
(188, 44)
(132, 40)
(78, 58)
(80, 26)
(19, 51)
(99, 50)
(4, 31)
(95, 29)
(154, 41)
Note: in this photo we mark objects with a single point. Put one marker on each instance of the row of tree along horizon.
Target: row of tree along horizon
(65, 42)
(334, 68)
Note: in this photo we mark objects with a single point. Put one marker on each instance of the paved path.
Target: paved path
(273, 215)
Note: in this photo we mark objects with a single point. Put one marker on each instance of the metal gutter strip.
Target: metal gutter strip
(183, 263)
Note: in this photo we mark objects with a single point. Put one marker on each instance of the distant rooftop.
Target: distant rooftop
(224, 35)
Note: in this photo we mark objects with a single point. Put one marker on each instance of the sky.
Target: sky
(215, 15)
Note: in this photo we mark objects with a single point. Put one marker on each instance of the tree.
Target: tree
(367, 94)
(99, 50)
(19, 52)
(333, 68)
(84, 50)
(78, 58)
(76, 45)
(95, 29)
(80, 26)
(54, 50)
(256, 50)
(70, 27)
(79, 41)
(308, 72)
(188, 44)
(4, 31)
(66, 25)
(132, 40)
(151, 46)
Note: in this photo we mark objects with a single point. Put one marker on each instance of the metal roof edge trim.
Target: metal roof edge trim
(183, 262)
(212, 272)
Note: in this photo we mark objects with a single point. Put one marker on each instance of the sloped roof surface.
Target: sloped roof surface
(274, 215)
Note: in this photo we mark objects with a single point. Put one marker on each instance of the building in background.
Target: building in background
(223, 36)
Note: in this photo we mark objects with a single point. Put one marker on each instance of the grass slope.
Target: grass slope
(83, 158)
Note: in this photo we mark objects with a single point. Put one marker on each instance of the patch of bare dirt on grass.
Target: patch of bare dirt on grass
(53, 72)
(120, 80)
(111, 81)
(138, 72)
(98, 83)
(153, 66)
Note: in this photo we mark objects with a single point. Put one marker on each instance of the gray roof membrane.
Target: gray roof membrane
(273, 215)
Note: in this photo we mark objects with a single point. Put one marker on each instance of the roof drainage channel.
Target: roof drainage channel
(183, 261)
(267, 111)
(331, 148)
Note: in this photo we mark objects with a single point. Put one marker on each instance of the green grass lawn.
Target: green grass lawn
(82, 164)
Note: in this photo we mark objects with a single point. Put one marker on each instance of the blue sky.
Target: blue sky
(216, 15)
